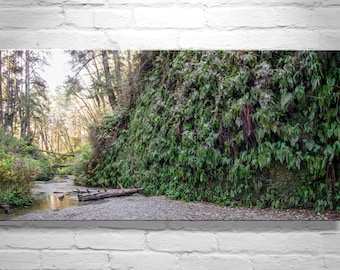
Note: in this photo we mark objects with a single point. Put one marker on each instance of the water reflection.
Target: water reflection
(48, 201)
(55, 195)
(56, 201)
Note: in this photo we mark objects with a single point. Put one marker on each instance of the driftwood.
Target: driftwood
(102, 194)
(87, 191)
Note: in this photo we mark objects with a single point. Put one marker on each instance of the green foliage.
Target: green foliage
(81, 162)
(20, 164)
(235, 128)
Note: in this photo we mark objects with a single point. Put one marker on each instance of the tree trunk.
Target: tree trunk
(131, 90)
(44, 139)
(25, 129)
(103, 195)
(108, 81)
(8, 121)
(118, 74)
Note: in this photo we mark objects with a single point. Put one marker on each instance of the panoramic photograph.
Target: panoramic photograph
(169, 135)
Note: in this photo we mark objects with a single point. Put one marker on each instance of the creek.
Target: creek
(50, 195)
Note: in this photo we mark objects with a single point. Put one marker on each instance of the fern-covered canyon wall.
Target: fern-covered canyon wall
(247, 128)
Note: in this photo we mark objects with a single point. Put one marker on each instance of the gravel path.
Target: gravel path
(139, 207)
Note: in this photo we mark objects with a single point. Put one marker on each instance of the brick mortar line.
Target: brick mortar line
(237, 29)
(167, 5)
(136, 7)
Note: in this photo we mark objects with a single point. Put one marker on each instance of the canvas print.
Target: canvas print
(169, 135)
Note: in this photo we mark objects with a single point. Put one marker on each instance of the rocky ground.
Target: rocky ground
(139, 207)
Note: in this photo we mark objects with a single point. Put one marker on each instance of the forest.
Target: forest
(234, 128)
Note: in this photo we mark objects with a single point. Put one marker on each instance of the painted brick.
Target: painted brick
(18, 39)
(258, 17)
(78, 2)
(31, 18)
(241, 17)
(19, 3)
(169, 17)
(110, 239)
(153, 3)
(77, 39)
(180, 241)
(53, 2)
(74, 260)
(19, 259)
(330, 3)
(330, 40)
(325, 17)
(99, 18)
(39, 239)
(330, 243)
(113, 19)
(284, 262)
(143, 261)
(331, 262)
(253, 39)
(212, 39)
(215, 2)
(56, 39)
(271, 243)
(66, 2)
(284, 39)
(146, 39)
(247, 3)
(79, 18)
(214, 261)
(293, 17)
(303, 3)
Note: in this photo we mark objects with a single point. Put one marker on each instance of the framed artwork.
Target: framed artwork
(169, 135)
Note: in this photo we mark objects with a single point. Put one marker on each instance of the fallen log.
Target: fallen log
(108, 194)
(82, 191)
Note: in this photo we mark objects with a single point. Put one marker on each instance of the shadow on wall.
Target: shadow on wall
(239, 226)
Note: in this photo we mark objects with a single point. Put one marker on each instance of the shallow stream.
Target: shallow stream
(53, 195)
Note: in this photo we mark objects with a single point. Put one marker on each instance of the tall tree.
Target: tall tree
(25, 128)
(108, 81)
(9, 112)
(23, 91)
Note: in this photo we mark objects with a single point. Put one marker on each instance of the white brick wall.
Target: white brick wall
(170, 245)
(163, 24)
(183, 24)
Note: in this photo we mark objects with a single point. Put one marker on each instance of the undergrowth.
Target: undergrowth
(20, 164)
